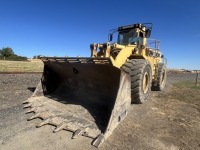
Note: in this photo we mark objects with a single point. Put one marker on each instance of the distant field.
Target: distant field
(21, 66)
(187, 84)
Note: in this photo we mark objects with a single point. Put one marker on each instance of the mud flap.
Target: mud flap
(86, 98)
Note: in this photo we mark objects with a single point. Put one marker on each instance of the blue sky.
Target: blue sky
(68, 27)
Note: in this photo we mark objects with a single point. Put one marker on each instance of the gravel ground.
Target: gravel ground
(164, 122)
(14, 89)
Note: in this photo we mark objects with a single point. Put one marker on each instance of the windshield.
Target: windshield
(127, 37)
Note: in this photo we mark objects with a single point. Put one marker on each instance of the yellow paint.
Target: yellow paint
(119, 54)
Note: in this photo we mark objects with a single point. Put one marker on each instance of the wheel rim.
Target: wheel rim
(145, 82)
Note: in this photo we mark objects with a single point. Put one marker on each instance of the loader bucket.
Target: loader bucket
(89, 99)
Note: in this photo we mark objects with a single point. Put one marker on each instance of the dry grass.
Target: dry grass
(187, 84)
(21, 66)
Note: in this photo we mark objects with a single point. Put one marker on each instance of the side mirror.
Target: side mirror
(148, 33)
(110, 38)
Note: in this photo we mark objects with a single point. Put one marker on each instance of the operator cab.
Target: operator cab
(131, 34)
(127, 37)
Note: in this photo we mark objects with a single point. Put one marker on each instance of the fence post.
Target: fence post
(196, 82)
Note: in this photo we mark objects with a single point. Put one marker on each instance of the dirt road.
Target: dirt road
(169, 120)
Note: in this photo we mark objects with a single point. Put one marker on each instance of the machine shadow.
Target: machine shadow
(99, 106)
(32, 89)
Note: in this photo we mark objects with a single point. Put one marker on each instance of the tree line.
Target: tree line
(7, 53)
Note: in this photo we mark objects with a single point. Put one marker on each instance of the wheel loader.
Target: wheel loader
(90, 96)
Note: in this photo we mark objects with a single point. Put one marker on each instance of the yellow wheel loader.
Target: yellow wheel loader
(91, 96)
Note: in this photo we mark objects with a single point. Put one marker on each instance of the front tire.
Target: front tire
(141, 78)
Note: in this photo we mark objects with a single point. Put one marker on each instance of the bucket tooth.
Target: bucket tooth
(35, 116)
(25, 102)
(77, 133)
(80, 131)
(60, 127)
(27, 105)
(43, 123)
(31, 110)
(99, 140)
(29, 100)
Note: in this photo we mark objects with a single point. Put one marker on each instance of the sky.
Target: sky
(68, 27)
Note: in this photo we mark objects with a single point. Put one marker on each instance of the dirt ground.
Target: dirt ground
(170, 120)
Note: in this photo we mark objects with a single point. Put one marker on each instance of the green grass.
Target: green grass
(187, 84)
(21, 66)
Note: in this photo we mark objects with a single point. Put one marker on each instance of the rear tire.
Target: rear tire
(160, 83)
(141, 79)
